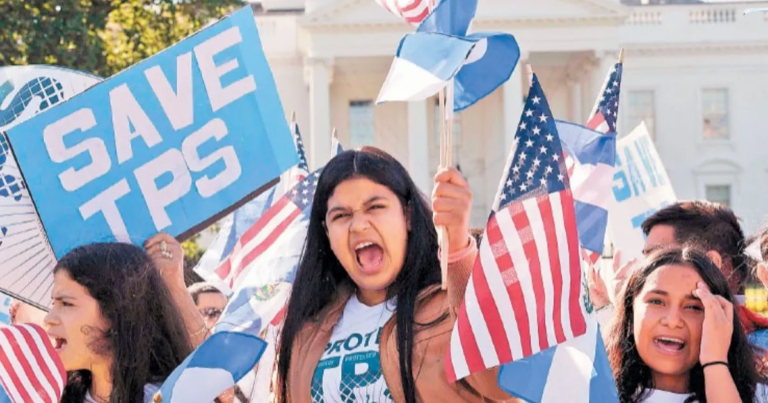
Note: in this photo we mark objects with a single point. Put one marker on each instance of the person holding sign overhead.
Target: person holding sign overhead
(371, 294)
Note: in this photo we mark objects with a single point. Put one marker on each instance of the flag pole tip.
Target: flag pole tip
(293, 116)
(333, 133)
(528, 69)
(621, 56)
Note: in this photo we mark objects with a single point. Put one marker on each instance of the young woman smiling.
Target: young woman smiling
(368, 320)
(675, 338)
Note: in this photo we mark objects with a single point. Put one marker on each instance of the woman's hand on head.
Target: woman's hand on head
(451, 206)
(717, 328)
(168, 256)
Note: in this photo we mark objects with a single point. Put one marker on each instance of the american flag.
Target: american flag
(591, 180)
(303, 165)
(30, 369)
(523, 296)
(411, 11)
(268, 229)
(606, 111)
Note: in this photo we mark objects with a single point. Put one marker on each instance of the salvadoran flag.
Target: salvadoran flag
(426, 61)
(215, 366)
(591, 157)
(576, 371)
(423, 65)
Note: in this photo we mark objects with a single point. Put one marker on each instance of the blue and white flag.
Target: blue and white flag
(576, 371)
(491, 62)
(590, 159)
(424, 64)
(215, 366)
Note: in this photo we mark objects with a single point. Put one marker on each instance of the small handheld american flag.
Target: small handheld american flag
(523, 296)
(606, 110)
(30, 369)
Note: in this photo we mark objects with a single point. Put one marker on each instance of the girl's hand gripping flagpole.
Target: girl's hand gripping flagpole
(446, 157)
(440, 52)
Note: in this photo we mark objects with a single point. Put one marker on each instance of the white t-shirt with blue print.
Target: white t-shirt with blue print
(350, 369)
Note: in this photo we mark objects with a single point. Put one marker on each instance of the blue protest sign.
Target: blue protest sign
(170, 144)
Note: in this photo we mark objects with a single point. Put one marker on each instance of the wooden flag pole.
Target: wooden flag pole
(446, 157)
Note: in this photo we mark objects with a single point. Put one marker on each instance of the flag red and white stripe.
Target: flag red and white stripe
(258, 239)
(411, 11)
(523, 296)
(30, 369)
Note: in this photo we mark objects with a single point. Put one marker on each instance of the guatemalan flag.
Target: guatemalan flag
(591, 157)
(576, 371)
(215, 366)
(442, 50)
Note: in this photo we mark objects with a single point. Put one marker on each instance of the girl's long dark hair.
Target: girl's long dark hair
(146, 338)
(633, 376)
(320, 274)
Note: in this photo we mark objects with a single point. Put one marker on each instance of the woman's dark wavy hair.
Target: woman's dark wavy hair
(146, 337)
(633, 376)
(320, 274)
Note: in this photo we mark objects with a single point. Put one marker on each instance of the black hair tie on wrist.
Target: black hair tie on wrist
(714, 363)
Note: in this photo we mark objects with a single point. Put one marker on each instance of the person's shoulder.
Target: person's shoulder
(761, 393)
(149, 391)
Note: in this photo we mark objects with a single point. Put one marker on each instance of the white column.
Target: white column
(513, 104)
(418, 144)
(575, 89)
(319, 75)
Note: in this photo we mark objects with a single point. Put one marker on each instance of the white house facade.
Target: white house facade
(697, 74)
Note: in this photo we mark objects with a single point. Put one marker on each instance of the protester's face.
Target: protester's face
(75, 324)
(663, 236)
(668, 321)
(211, 305)
(660, 237)
(368, 232)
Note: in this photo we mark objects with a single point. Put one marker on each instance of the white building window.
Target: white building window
(456, 127)
(719, 194)
(361, 130)
(641, 107)
(714, 106)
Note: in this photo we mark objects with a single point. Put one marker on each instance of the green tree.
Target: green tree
(192, 254)
(99, 36)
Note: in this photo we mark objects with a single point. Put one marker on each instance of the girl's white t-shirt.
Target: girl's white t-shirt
(660, 396)
(350, 368)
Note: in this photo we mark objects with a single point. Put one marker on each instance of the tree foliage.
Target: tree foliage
(102, 37)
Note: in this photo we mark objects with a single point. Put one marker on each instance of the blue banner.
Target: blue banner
(170, 144)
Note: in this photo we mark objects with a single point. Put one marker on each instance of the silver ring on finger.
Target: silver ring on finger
(166, 254)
